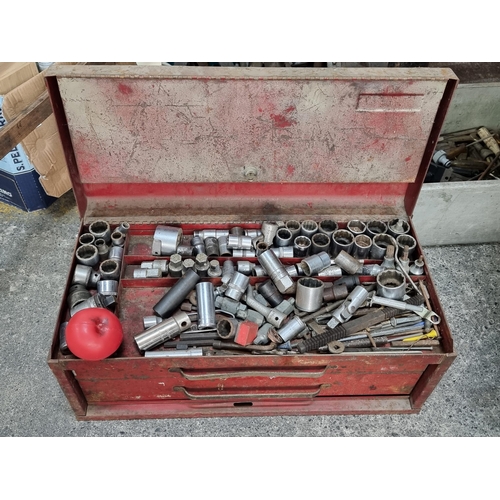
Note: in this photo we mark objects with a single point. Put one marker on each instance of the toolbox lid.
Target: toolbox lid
(205, 144)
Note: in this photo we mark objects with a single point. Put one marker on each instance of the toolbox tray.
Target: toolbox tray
(219, 147)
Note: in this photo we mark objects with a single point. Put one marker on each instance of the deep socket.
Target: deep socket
(269, 291)
(205, 305)
(228, 270)
(176, 295)
(102, 249)
(166, 330)
(276, 271)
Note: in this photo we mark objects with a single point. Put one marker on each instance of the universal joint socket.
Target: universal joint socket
(276, 271)
(85, 275)
(170, 237)
(166, 330)
(205, 304)
(316, 263)
(176, 295)
(237, 285)
(345, 311)
(273, 316)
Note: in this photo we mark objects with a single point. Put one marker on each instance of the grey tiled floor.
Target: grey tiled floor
(35, 252)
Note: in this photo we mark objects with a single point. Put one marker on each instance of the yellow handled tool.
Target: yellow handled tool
(431, 335)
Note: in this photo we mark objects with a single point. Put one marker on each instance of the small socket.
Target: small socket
(308, 228)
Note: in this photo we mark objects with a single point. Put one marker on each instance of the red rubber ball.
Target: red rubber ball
(94, 334)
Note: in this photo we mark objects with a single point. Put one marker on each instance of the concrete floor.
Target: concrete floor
(35, 251)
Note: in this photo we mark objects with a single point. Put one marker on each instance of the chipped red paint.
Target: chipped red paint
(290, 169)
(408, 158)
(283, 120)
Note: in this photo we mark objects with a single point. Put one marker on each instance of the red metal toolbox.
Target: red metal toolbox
(219, 147)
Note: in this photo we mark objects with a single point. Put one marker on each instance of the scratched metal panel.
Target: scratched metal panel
(131, 130)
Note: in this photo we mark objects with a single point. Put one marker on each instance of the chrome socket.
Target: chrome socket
(87, 255)
(166, 330)
(291, 329)
(349, 264)
(269, 230)
(375, 227)
(391, 284)
(117, 239)
(308, 228)
(342, 240)
(361, 246)
(294, 227)
(243, 253)
(147, 273)
(253, 233)
(110, 270)
(177, 294)
(175, 266)
(86, 239)
(309, 296)
(396, 227)
(316, 263)
(406, 240)
(102, 249)
(327, 226)
(85, 275)
(227, 328)
(292, 271)
(239, 242)
(245, 267)
(101, 229)
(198, 245)
(276, 271)
(185, 250)
(149, 321)
(228, 270)
(211, 233)
(261, 247)
(283, 238)
(301, 246)
(269, 291)
(335, 292)
(379, 245)
(196, 352)
(283, 252)
(237, 231)
(214, 269)
(320, 242)
(156, 247)
(212, 246)
(356, 227)
(331, 271)
(259, 271)
(170, 237)
(237, 286)
(108, 287)
(223, 250)
(77, 294)
(388, 262)
(262, 337)
(156, 264)
(201, 265)
(116, 253)
(124, 227)
(371, 269)
(205, 305)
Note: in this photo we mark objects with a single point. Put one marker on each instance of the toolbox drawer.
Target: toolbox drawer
(379, 139)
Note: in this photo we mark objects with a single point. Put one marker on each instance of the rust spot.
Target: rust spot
(372, 387)
(124, 89)
(408, 158)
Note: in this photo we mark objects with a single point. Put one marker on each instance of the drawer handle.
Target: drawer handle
(236, 374)
(244, 395)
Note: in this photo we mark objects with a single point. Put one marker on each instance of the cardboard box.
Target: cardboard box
(214, 148)
(34, 173)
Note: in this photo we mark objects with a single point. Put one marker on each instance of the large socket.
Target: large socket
(101, 229)
(309, 296)
(380, 242)
(391, 284)
(205, 305)
(342, 240)
(170, 237)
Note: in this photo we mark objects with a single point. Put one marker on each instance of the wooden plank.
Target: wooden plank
(14, 132)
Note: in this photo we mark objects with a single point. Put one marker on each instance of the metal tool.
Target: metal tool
(169, 236)
(294, 227)
(301, 246)
(348, 263)
(101, 229)
(276, 271)
(327, 226)
(320, 242)
(237, 285)
(205, 304)
(309, 296)
(341, 240)
(87, 255)
(422, 311)
(272, 315)
(283, 238)
(86, 276)
(351, 304)
(391, 284)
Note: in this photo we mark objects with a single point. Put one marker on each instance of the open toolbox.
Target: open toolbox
(205, 149)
